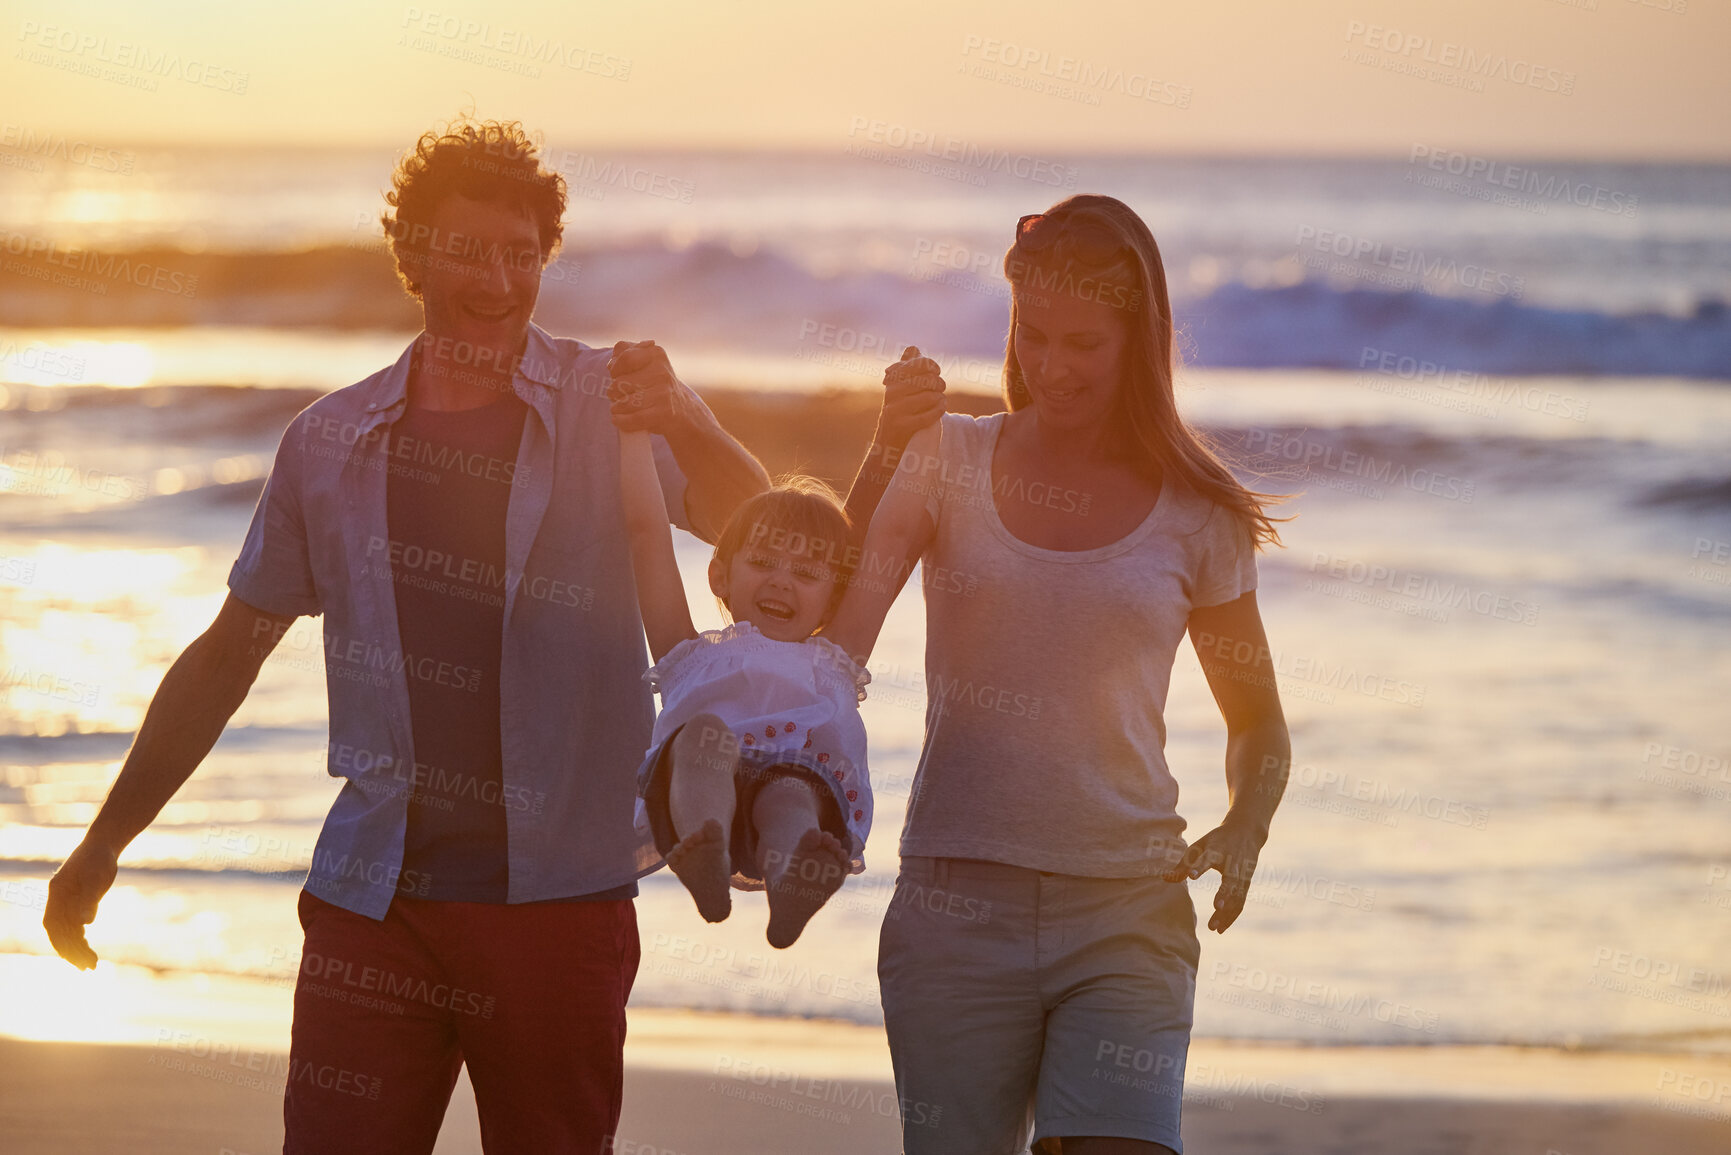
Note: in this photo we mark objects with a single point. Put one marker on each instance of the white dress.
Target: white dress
(788, 702)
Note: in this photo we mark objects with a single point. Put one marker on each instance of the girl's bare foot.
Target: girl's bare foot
(797, 891)
(700, 861)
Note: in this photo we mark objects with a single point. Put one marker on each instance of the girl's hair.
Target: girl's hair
(800, 514)
(1097, 248)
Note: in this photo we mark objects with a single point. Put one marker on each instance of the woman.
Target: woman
(1038, 960)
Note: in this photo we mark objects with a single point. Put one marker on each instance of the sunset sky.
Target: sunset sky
(1567, 78)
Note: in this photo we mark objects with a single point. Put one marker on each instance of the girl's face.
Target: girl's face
(1071, 351)
(784, 594)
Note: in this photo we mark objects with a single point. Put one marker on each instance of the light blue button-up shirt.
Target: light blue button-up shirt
(575, 712)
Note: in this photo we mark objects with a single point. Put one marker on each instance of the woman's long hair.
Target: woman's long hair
(1097, 247)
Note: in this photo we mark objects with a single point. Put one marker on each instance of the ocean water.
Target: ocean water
(834, 259)
(1501, 620)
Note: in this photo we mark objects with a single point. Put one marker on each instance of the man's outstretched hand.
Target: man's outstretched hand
(73, 893)
(647, 396)
(1232, 850)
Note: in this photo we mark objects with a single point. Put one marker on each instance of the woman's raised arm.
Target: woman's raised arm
(913, 400)
(901, 529)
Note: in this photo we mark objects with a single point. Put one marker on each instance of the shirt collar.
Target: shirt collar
(539, 366)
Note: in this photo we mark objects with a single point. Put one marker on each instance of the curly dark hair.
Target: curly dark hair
(487, 160)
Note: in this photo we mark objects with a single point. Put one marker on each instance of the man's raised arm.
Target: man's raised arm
(197, 697)
(720, 472)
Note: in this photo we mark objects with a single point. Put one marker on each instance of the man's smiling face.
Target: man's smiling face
(480, 276)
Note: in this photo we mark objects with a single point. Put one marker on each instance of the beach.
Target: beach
(1495, 907)
(732, 1085)
(1364, 1004)
(158, 1063)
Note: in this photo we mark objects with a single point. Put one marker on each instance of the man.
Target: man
(456, 519)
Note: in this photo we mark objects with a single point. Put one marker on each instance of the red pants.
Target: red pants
(532, 997)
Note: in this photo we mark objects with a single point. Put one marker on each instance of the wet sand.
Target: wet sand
(730, 1085)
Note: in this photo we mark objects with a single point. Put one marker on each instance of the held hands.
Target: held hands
(913, 399)
(647, 396)
(73, 893)
(1232, 850)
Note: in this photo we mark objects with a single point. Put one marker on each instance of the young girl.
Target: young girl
(756, 769)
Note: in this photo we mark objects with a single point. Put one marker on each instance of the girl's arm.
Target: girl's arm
(660, 592)
(901, 529)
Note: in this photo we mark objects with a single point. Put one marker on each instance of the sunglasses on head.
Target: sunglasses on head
(1094, 243)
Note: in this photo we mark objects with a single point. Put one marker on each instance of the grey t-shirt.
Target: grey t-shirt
(1047, 670)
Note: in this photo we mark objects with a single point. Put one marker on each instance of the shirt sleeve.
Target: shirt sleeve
(663, 676)
(841, 678)
(1227, 566)
(274, 571)
(673, 482)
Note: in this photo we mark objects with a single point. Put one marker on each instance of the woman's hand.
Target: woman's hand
(1233, 649)
(1232, 849)
(913, 399)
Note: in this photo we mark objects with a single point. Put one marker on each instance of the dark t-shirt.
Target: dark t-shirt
(447, 493)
